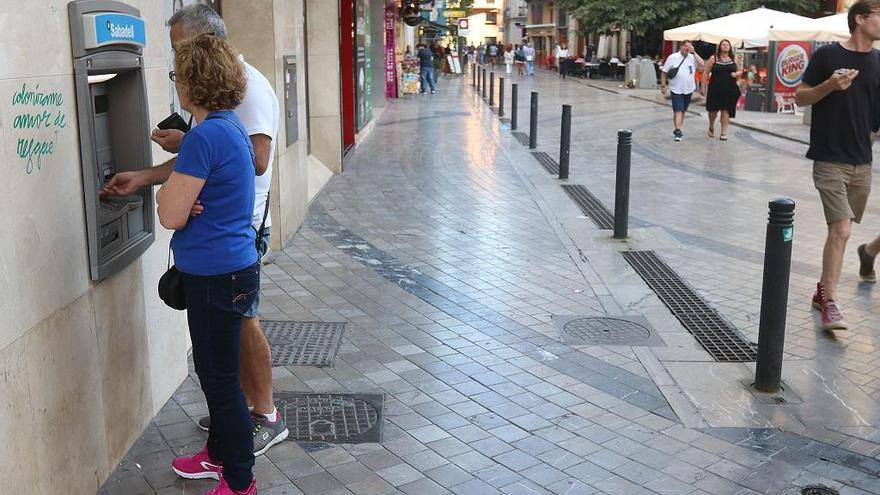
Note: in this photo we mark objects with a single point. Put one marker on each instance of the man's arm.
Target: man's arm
(839, 81)
(262, 148)
(700, 62)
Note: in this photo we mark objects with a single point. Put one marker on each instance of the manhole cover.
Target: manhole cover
(303, 343)
(607, 330)
(818, 490)
(333, 418)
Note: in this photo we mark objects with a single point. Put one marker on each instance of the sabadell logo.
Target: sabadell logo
(790, 65)
(120, 31)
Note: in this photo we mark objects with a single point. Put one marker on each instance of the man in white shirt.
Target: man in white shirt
(684, 65)
(259, 113)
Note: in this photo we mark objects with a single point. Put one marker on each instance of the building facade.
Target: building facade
(486, 22)
(547, 25)
(86, 363)
(515, 20)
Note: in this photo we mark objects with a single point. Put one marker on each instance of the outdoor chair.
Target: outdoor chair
(782, 103)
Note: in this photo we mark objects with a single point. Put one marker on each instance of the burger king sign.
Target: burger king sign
(791, 62)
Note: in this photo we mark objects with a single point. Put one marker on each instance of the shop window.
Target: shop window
(491, 17)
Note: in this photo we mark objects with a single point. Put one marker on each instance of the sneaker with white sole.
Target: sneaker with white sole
(268, 434)
(832, 319)
(198, 466)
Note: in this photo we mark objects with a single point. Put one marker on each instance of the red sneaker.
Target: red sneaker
(819, 297)
(223, 489)
(831, 317)
(197, 467)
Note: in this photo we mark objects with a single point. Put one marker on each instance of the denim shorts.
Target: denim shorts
(680, 103)
(255, 307)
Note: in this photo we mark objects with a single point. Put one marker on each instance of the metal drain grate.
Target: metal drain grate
(607, 330)
(522, 137)
(818, 490)
(718, 338)
(590, 205)
(334, 418)
(547, 162)
(303, 343)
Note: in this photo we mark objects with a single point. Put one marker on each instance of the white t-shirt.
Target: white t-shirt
(683, 83)
(259, 114)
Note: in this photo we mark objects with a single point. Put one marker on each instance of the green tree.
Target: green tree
(641, 16)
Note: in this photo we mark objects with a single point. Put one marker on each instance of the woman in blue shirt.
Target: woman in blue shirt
(215, 250)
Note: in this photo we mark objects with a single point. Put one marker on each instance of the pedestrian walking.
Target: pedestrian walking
(508, 59)
(721, 91)
(842, 83)
(561, 55)
(426, 68)
(493, 54)
(529, 52)
(679, 71)
(481, 54)
(519, 58)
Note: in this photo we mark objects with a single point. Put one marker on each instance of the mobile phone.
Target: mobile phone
(174, 121)
(842, 71)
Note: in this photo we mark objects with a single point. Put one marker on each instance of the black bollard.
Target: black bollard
(621, 191)
(484, 83)
(565, 142)
(500, 97)
(474, 76)
(492, 88)
(533, 122)
(774, 295)
(514, 106)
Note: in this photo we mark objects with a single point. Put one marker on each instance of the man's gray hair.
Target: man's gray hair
(199, 19)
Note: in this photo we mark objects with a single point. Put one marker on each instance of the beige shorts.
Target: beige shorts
(844, 189)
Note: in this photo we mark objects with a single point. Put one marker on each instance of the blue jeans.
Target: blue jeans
(427, 74)
(214, 309)
(530, 67)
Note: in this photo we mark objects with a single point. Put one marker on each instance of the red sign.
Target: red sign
(390, 46)
(792, 58)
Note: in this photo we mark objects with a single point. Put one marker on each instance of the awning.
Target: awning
(433, 26)
(830, 28)
(747, 29)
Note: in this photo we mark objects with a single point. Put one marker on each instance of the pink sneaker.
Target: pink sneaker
(197, 467)
(223, 489)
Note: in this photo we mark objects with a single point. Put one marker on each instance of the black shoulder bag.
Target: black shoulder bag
(674, 71)
(171, 282)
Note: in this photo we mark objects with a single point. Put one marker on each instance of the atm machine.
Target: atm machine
(107, 39)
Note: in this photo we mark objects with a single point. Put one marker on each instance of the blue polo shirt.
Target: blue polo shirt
(221, 239)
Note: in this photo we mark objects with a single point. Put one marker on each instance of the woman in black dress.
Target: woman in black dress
(723, 92)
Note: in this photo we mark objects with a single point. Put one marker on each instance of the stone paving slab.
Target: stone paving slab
(448, 250)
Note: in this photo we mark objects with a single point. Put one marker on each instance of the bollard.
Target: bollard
(774, 295)
(533, 122)
(491, 88)
(565, 142)
(500, 97)
(484, 83)
(621, 191)
(474, 76)
(514, 106)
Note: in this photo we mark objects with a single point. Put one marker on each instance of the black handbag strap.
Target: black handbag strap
(254, 159)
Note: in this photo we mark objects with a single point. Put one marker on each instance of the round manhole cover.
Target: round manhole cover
(330, 418)
(818, 490)
(612, 331)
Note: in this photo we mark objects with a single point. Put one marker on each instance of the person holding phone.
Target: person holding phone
(842, 83)
(679, 71)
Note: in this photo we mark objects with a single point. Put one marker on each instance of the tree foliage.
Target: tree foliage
(640, 16)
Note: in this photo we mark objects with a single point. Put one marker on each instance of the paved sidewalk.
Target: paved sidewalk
(448, 249)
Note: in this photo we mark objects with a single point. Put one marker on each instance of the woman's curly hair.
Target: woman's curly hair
(209, 68)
